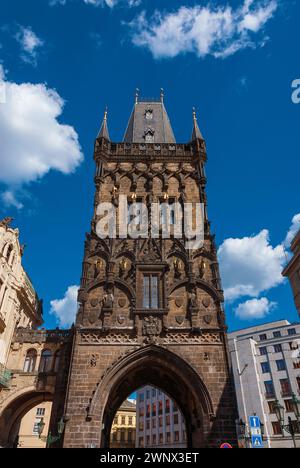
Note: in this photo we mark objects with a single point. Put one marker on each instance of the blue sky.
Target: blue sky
(238, 73)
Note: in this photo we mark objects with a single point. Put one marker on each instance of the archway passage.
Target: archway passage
(148, 419)
(18, 420)
(157, 367)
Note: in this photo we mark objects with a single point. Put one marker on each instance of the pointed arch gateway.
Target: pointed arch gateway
(156, 366)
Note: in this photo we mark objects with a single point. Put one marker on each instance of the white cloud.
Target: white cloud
(250, 266)
(2, 72)
(33, 141)
(30, 43)
(295, 227)
(9, 199)
(109, 3)
(220, 31)
(254, 309)
(65, 309)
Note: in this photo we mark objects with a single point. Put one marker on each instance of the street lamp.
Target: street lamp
(40, 427)
(289, 428)
(279, 411)
(50, 439)
(296, 403)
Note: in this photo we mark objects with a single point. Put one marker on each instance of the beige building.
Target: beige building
(292, 270)
(124, 426)
(29, 358)
(27, 430)
(19, 304)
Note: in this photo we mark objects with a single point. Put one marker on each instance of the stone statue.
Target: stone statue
(6, 221)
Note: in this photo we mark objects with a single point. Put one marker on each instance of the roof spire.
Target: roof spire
(137, 95)
(196, 135)
(162, 95)
(104, 128)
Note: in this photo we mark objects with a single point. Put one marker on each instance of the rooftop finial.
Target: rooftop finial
(137, 94)
(196, 135)
(162, 94)
(194, 114)
(104, 129)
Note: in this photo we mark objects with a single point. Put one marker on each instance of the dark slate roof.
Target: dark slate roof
(196, 130)
(128, 405)
(103, 133)
(157, 125)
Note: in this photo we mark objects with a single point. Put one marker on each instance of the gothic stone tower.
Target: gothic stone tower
(150, 310)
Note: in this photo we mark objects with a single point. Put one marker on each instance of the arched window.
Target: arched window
(30, 360)
(46, 358)
(9, 253)
(56, 361)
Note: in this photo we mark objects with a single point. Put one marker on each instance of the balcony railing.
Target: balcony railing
(5, 377)
(286, 393)
(270, 395)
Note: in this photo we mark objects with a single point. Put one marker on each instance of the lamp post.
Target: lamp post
(289, 428)
(50, 439)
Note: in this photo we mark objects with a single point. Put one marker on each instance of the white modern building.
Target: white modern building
(160, 423)
(266, 370)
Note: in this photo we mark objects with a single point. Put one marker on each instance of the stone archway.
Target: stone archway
(15, 409)
(156, 366)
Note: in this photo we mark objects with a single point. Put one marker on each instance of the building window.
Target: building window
(277, 334)
(161, 438)
(154, 409)
(141, 426)
(289, 406)
(148, 411)
(150, 292)
(56, 361)
(270, 391)
(148, 394)
(167, 406)
(285, 387)
(292, 331)
(153, 392)
(168, 437)
(278, 348)
(277, 428)
(271, 405)
(154, 423)
(130, 420)
(265, 367)
(116, 420)
(176, 418)
(281, 366)
(148, 440)
(160, 407)
(30, 361)
(123, 421)
(176, 436)
(141, 441)
(141, 397)
(129, 436)
(168, 420)
(263, 351)
(40, 412)
(45, 364)
(154, 439)
(148, 424)
(160, 422)
(263, 337)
